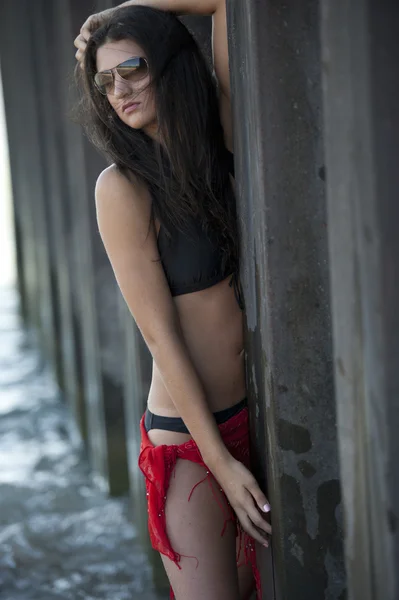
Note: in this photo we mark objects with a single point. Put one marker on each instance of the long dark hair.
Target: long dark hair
(187, 174)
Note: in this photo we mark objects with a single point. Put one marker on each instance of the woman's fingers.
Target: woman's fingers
(80, 42)
(85, 31)
(258, 520)
(250, 528)
(79, 57)
(245, 496)
(88, 26)
(259, 497)
(256, 517)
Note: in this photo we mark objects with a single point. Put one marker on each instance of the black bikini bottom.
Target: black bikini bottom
(152, 421)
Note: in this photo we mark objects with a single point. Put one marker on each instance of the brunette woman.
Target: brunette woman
(167, 217)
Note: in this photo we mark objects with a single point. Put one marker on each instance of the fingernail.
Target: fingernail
(266, 508)
(266, 544)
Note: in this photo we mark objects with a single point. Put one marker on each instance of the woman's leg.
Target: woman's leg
(194, 529)
(246, 578)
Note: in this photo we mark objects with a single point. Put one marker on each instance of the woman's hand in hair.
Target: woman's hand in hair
(245, 496)
(90, 25)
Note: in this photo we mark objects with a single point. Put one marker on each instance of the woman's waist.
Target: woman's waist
(223, 390)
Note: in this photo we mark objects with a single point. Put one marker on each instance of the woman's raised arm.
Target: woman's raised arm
(216, 8)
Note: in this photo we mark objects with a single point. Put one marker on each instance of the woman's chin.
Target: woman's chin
(138, 121)
(135, 121)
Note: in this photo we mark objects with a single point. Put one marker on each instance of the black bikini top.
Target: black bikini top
(194, 261)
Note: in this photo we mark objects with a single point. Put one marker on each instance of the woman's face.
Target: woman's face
(142, 114)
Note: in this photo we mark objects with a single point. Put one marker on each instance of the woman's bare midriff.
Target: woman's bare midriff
(212, 326)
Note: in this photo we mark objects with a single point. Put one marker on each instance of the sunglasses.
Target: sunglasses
(134, 69)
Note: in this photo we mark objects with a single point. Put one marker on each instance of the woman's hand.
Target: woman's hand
(90, 25)
(245, 497)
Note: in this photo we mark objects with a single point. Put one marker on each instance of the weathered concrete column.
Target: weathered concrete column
(45, 36)
(275, 70)
(23, 224)
(14, 217)
(27, 164)
(360, 40)
(95, 292)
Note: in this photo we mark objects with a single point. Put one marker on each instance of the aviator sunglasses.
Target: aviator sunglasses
(133, 69)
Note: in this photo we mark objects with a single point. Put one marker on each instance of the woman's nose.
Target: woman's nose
(121, 87)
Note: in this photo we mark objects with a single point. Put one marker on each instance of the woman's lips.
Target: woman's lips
(131, 107)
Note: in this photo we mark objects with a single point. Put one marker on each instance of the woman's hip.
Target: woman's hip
(176, 424)
(233, 424)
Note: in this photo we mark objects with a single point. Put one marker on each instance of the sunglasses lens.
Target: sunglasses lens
(104, 82)
(133, 69)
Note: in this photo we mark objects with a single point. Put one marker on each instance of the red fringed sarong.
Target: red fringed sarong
(157, 464)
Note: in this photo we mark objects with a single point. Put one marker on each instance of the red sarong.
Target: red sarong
(157, 464)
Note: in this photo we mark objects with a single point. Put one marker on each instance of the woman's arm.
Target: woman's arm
(180, 7)
(123, 215)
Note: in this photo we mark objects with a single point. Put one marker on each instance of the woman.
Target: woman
(166, 215)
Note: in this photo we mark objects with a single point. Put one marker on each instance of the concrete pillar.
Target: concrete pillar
(24, 257)
(23, 224)
(58, 206)
(275, 66)
(28, 168)
(13, 219)
(360, 40)
(95, 298)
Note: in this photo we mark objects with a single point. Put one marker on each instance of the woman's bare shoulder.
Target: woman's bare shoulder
(121, 192)
(112, 179)
(128, 234)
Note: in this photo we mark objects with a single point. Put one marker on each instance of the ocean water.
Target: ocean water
(61, 538)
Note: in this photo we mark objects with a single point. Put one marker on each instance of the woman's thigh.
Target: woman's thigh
(195, 529)
(246, 578)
